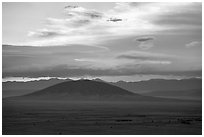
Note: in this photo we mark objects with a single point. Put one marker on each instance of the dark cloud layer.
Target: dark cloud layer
(70, 6)
(26, 61)
(141, 57)
(114, 19)
(72, 71)
(144, 39)
(47, 34)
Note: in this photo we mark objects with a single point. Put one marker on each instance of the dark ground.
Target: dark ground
(146, 118)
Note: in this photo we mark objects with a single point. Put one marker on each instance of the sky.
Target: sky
(112, 41)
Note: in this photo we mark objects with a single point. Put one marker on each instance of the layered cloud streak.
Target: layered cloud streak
(125, 19)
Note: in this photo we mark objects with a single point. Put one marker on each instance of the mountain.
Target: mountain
(155, 87)
(98, 79)
(160, 85)
(80, 90)
(20, 88)
(184, 94)
(85, 90)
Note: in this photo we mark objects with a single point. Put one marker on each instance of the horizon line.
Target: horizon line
(29, 79)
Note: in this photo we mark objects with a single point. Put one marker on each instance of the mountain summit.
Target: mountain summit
(80, 90)
(85, 90)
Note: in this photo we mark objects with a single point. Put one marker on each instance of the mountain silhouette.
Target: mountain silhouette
(160, 85)
(86, 90)
(182, 89)
(14, 88)
(83, 87)
(80, 90)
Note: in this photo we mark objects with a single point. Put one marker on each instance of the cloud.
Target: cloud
(172, 14)
(138, 57)
(70, 29)
(145, 42)
(144, 39)
(68, 61)
(145, 45)
(73, 71)
(157, 62)
(123, 20)
(114, 19)
(45, 33)
(127, 59)
(58, 61)
(147, 57)
(146, 54)
(193, 44)
(70, 6)
(72, 11)
(61, 61)
(96, 43)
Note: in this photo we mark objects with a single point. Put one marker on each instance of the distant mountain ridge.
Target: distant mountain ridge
(160, 84)
(180, 89)
(21, 88)
(153, 87)
(86, 90)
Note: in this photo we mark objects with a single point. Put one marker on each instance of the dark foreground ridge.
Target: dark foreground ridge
(86, 90)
